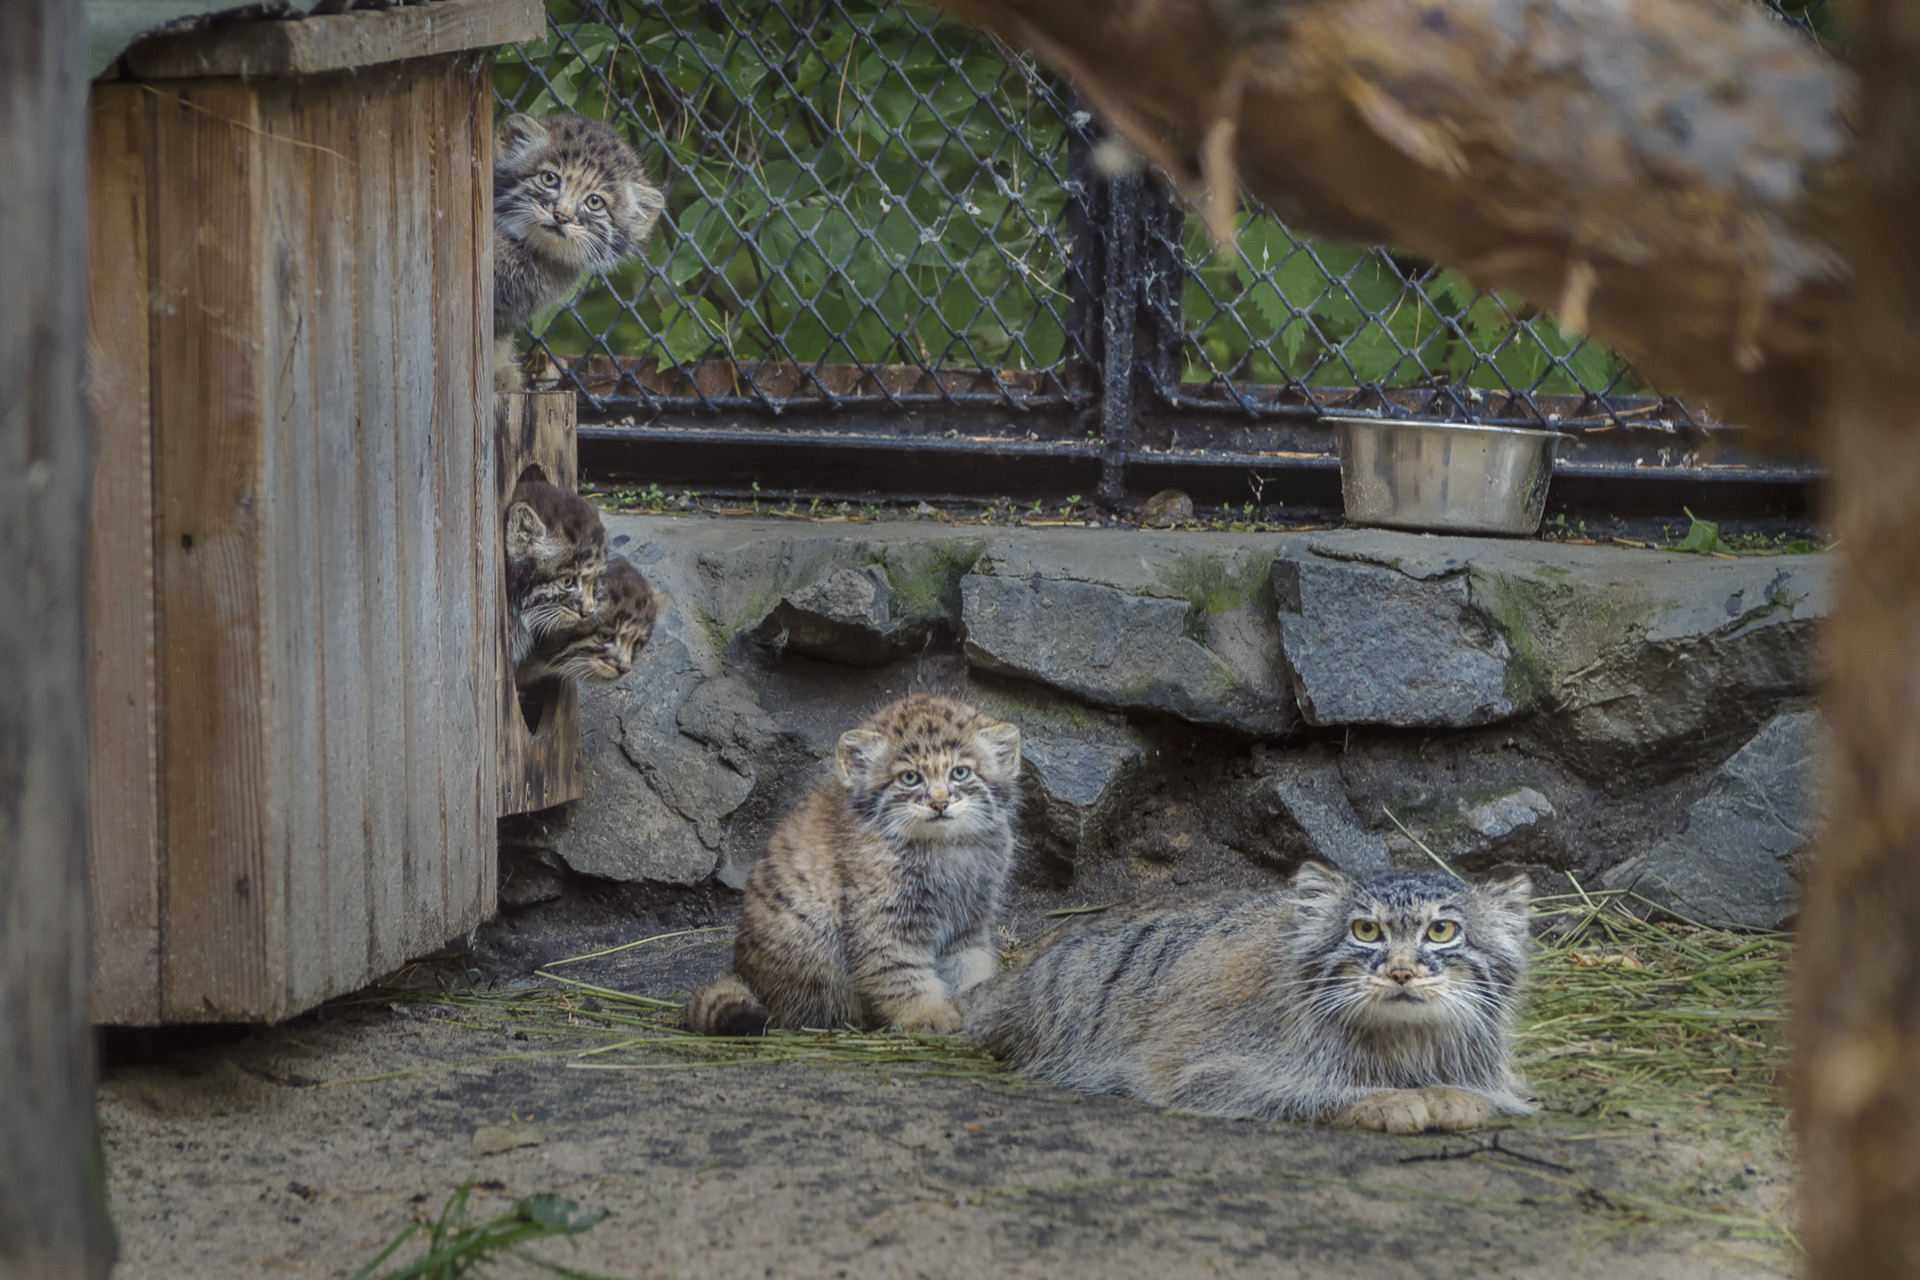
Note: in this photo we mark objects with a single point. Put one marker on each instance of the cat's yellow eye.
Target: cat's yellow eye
(595, 202)
(908, 777)
(959, 773)
(550, 178)
(1442, 931)
(1366, 931)
(566, 579)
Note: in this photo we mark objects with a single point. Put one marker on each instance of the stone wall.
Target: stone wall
(1216, 707)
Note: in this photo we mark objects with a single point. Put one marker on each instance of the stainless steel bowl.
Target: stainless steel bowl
(1415, 474)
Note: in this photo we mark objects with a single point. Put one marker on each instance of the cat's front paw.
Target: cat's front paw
(937, 1019)
(1437, 1107)
(973, 967)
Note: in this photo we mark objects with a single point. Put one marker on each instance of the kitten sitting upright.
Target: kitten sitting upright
(1381, 1003)
(600, 646)
(556, 551)
(569, 197)
(876, 899)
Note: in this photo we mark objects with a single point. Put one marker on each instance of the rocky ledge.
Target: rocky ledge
(1206, 708)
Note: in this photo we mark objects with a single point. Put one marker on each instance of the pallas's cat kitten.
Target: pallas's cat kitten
(556, 551)
(1379, 1003)
(569, 197)
(877, 897)
(601, 645)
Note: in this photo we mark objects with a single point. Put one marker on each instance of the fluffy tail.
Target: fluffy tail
(727, 1007)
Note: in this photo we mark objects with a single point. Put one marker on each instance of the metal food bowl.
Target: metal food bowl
(1417, 474)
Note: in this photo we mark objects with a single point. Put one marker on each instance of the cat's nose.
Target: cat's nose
(938, 803)
(562, 214)
(1401, 976)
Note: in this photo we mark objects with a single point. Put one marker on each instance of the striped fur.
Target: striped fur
(1327, 1001)
(556, 550)
(876, 900)
(601, 645)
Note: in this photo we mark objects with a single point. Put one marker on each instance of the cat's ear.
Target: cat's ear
(516, 135)
(858, 753)
(646, 204)
(999, 748)
(525, 530)
(1510, 895)
(1319, 880)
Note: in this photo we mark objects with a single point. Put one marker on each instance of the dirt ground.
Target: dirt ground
(303, 1149)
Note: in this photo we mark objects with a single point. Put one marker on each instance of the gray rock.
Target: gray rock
(1316, 820)
(1079, 769)
(1737, 862)
(1637, 663)
(1515, 826)
(1113, 649)
(1373, 644)
(529, 877)
(623, 829)
(845, 617)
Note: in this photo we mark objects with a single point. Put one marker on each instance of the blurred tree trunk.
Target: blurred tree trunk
(1857, 998)
(1663, 173)
(52, 1216)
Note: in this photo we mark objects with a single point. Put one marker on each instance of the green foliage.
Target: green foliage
(849, 180)
(1704, 538)
(868, 181)
(1279, 307)
(457, 1248)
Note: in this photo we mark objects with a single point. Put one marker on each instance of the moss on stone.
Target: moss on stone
(925, 576)
(1556, 629)
(1213, 585)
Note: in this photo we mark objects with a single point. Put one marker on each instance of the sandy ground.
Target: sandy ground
(305, 1148)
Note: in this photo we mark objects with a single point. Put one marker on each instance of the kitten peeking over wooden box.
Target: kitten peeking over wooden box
(570, 197)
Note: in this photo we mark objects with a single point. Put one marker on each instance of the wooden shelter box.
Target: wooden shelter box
(296, 669)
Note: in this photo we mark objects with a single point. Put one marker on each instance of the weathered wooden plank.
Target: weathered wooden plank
(332, 42)
(411, 870)
(124, 879)
(489, 592)
(309, 357)
(384, 252)
(220, 935)
(461, 465)
(346, 507)
(540, 765)
(53, 1224)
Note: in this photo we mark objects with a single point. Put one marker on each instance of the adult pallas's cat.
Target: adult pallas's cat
(1378, 1003)
(876, 900)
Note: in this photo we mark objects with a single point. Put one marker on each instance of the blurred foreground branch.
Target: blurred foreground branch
(1663, 173)
(1857, 996)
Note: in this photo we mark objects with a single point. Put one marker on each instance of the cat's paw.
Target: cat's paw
(1437, 1107)
(936, 1019)
(973, 967)
(538, 372)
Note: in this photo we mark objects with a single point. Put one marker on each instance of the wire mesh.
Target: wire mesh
(864, 200)
(870, 203)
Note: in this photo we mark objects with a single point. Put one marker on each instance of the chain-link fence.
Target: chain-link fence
(869, 204)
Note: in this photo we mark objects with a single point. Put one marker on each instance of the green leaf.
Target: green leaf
(1703, 537)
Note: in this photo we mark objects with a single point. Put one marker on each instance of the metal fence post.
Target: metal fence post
(1119, 294)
